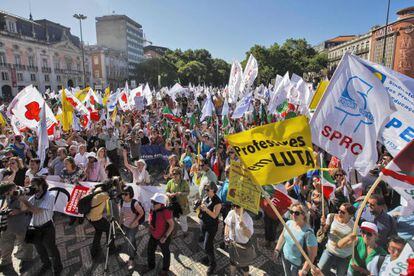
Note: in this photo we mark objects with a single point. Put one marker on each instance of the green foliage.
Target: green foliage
(295, 56)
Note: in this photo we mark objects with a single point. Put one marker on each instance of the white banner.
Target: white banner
(399, 266)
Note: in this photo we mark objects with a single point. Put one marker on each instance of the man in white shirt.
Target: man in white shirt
(80, 158)
(44, 238)
(34, 170)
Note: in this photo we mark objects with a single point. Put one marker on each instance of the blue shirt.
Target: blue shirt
(305, 237)
(222, 192)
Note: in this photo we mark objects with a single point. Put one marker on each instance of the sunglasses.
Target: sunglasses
(366, 233)
(342, 212)
(176, 174)
(296, 213)
(207, 190)
(338, 175)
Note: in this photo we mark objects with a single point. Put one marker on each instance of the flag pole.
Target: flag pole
(361, 209)
(323, 195)
(279, 216)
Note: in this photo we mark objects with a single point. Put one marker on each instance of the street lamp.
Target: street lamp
(81, 17)
(385, 34)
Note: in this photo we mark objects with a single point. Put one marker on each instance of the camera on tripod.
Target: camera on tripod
(30, 190)
(113, 187)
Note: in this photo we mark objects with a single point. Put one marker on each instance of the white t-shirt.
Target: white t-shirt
(81, 160)
(372, 265)
(42, 172)
(232, 217)
(337, 232)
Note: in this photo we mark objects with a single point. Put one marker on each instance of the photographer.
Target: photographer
(15, 225)
(43, 235)
(96, 218)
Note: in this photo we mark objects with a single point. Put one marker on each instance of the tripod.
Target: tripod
(113, 225)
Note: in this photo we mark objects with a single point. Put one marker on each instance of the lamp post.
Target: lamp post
(81, 17)
(385, 34)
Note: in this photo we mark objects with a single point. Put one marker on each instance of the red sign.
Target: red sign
(77, 193)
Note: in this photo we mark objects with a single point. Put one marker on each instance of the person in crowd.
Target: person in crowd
(177, 191)
(111, 144)
(337, 226)
(365, 248)
(73, 149)
(44, 236)
(187, 159)
(81, 158)
(155, 138)
(207, 176)
(16, 171)
(93, 170)
(35, 170)
(111, 171)
(292, 261)
(209, 212)
(103, 161)
(21, 149)
(172, 164)
(343, 192)
(379, 263)
(161, 225)
(56, 166)
(225, 205)
(144, 138)
(134, 145)
(140, 175)
(314, 205)
(376, 213)
(131, 214)
(15, 232)
(72, 174)
(239, 229)
(96, 218)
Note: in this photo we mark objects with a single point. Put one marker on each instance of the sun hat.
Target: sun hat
(369, 227)
(159, 198)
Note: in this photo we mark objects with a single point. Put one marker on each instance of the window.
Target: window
(17, 59)
(4, 76)
(33, 77)
(96, 75)
(19, 76)
(57, 64)
(95, 60)
(58, 78)
(2, 58)
(45, 63)
(47, 78)
(31, 61)
(11, 26)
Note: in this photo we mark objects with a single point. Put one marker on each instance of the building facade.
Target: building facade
(109, 67)
(119, 32)
(399, 47)
(152, 51)
(327, 44)
(359, 46)
(38, 52)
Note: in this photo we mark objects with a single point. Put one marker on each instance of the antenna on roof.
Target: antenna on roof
(30, 10)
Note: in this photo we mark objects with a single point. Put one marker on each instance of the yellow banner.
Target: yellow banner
(275, 152)
(242, 191)
(320, 90)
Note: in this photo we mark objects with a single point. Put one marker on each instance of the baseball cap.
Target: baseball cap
(159, 198)
(369, 227)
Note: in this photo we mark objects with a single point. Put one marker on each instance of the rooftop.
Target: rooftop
(114, 17)
(342, 38)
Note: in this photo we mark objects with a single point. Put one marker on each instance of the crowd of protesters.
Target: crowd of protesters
(198, 157)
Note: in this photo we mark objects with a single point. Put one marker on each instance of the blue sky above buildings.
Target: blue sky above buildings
(227, 28)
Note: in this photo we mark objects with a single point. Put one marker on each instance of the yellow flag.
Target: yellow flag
(318, 94)
(275, 152)
(81, 94)
(2, 120)
(106, 95)
(67, 112)
(113, 115)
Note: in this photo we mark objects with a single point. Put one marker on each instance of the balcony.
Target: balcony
(59, 71)
(46, 70)
(5, 65)
(19, 66)
(362, 51)
(32, 68)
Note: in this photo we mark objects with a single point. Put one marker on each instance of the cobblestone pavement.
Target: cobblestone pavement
(74, 243)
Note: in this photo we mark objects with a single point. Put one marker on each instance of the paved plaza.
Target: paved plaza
(74, 243)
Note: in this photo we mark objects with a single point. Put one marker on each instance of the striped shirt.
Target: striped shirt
(46, 203)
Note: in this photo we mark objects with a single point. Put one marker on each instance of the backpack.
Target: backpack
(142, 219)
(85, 203)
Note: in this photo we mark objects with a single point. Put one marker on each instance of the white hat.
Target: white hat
(91, 154)
(369, 227)
(159, 198)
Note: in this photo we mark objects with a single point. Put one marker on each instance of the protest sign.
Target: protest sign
(77, 193)
(242, 191)
(155, 155)
(399, 266)
(275, 152)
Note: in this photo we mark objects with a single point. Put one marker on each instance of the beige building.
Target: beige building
(38, 52)
(359, 46)
(109, 67)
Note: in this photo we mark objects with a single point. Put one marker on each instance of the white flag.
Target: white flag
(249, 75)
(242, 106)
(225, 109)
(349, 117)
(43, 140)
(147, 94)
(234, 81)
(207, 110)
(280, 93)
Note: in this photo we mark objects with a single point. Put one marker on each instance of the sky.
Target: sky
(227, 28)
